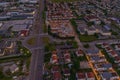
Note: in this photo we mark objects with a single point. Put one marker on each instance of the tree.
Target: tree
(1, 73)
(96, 35)
(102, 23)
(9, 29)
(90, 23)
(88, 11)
(86, 45)
(8, 72)
(0, 38)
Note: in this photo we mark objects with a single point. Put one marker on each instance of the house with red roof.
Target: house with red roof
(57, 76)
(92, 18)
(113, 53)
(103, 66)
(24, 32)
(108, 49)
(104, 45)
(80, 76)
(67, 57)
(79, 53)
(117, 59)
(90, 76)
(54, 58)
(117, 47)
(66, 71)
(107, 21)
(55, 69)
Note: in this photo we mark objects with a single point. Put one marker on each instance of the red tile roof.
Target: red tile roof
(108, 48)
(54, 57)
(117, 58)
(81, 75)
(105, 44)
(113, 53)
(118, 45)
(55, 68)
(57, 76)
(80, 52)
(67, 56)
(24, 32)
(91, 17)
(66, 71)
(90, 75)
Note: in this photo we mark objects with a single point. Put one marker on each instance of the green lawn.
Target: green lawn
(49, 47)
(45, 30)
(46, 40)
(87, 38)
(6, 78)
(24, 50)
(113, 32)
(31, 41)
(47, 57)
(73, 43)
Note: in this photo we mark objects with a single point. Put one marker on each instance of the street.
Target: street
(36, 66)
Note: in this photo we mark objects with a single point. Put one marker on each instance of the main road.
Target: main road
(36, 66)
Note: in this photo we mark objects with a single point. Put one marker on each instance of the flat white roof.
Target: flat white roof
(20, 27)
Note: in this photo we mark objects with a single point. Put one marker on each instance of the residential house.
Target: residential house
(54, 59)
(113, 53)
(90, 76)
(103, 66)
(109, 76)
(55, 69)
(57, 76)
(97, 59)
(117, 47)
(91, 31)
(93, 52)
(108, 49)
(10, 46)
(104, 45)
(92, 18)
(67, 57)
(24, 32)
(79, 53)
(2, 52)
(66, 71)
(117, 59)
(80, 76)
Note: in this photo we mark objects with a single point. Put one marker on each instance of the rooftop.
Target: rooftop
(90, 75)
(80, 75)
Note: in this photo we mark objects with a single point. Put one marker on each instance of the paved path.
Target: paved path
(36, 67)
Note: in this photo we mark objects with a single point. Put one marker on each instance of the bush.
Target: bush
(31, 41)
(87, 38)
(74, 25)
(86, 45)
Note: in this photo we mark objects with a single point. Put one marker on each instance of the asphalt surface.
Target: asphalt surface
(36, 66)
